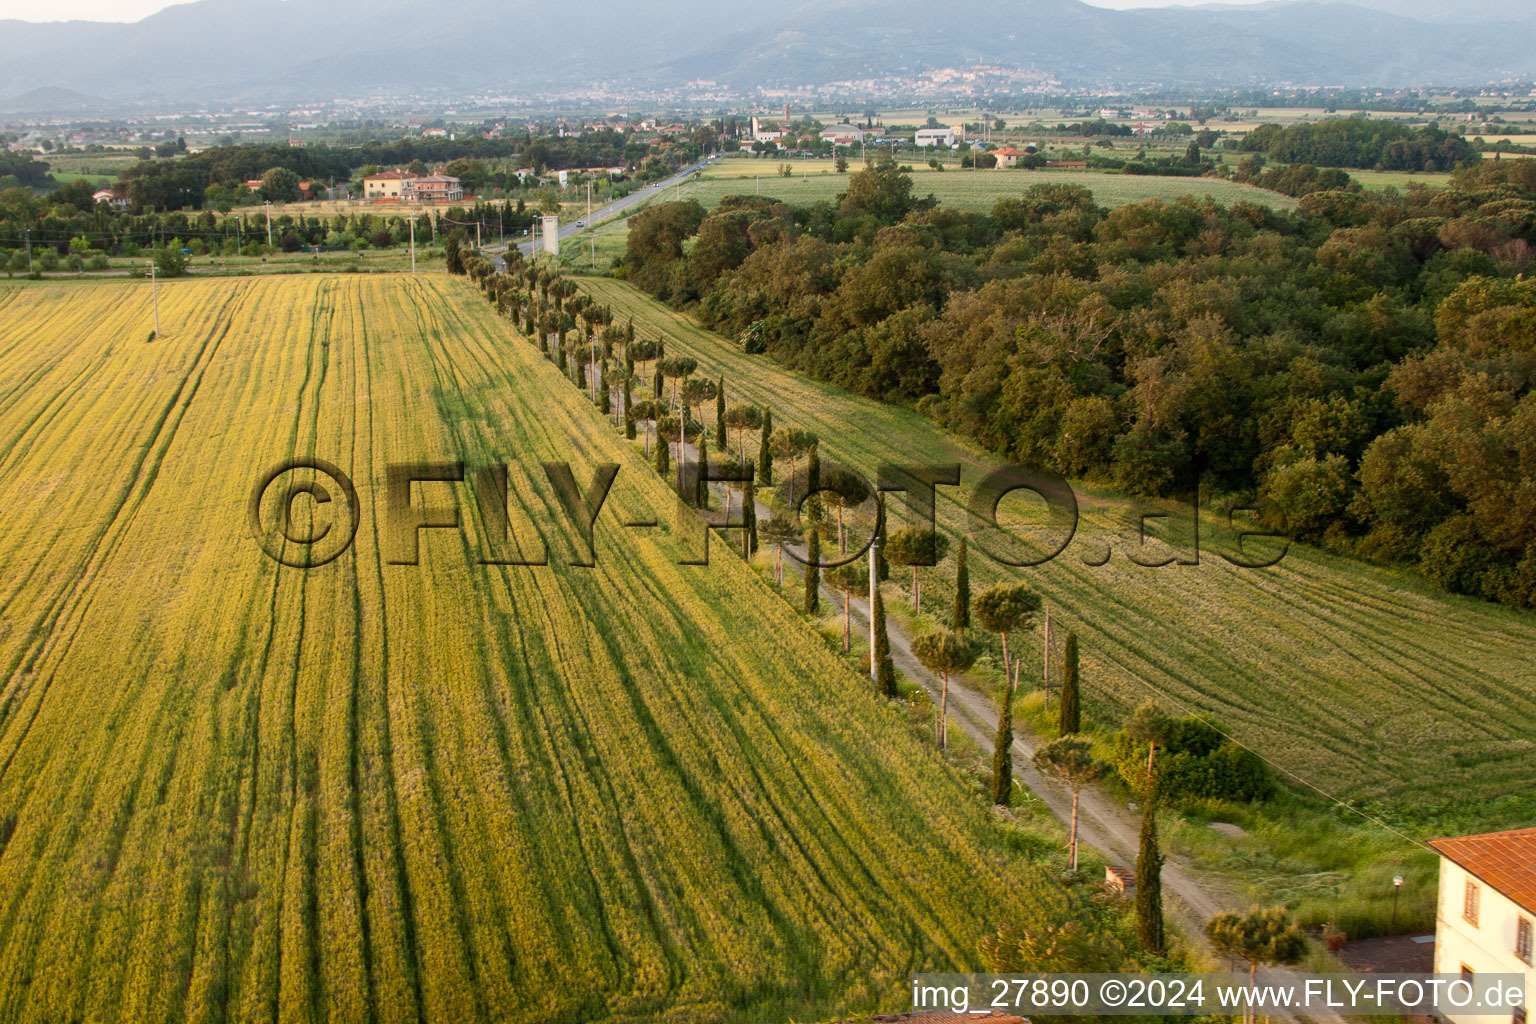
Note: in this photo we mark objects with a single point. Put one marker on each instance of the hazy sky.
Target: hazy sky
(133, 10)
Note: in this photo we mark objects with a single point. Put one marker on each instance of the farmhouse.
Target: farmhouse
(106, 195)
(934, 137)
(387, 184)
(1009, 156)
(1486, 913)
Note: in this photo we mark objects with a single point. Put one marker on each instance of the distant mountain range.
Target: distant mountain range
(261, 51)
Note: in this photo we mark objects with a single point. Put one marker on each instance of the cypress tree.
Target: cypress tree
(813, 485)
(630, 433)
(1069, 709)
(749, 517)
(963, 591)
(764, 455)
(1002, 752)
(629, 424)
(656, 382)
(581, 375)
(812, 571)
(885, 672)
(882, 567)
(701, 484)
(605, 400)
(560, 359)
(663, 456)
(1149, 882)
(720, 415)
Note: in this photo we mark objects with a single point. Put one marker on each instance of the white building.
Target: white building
(934, 137)
(1485, 921)
(843, 135)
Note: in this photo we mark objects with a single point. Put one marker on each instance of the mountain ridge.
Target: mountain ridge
(206, 50)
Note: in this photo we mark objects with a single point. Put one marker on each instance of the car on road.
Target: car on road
(581, 223)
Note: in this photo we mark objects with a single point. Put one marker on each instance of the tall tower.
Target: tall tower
(786, 116)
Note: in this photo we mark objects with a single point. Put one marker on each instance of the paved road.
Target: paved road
(613, 209)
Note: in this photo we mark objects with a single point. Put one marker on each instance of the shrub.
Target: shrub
(1197, 762)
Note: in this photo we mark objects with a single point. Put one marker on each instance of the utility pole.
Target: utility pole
(154, 293)
(477, 234)
(268, 204)
(413, 245)
(29, 250)
(589, 206)
(874, 669)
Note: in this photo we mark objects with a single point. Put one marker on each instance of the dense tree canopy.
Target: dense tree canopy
(1359, 142)
(1363, 366)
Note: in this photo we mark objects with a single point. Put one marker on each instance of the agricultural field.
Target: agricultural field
(1348, 678)
(1376, 181)
(108, 164)
(965, 190)
(448, 791)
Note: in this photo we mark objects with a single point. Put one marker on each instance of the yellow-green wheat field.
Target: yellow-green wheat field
(232, 790)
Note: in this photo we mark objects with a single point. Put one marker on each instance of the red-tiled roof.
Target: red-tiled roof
(1504, 860)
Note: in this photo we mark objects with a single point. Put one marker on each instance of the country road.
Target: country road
(1191, 897)
(613, 209)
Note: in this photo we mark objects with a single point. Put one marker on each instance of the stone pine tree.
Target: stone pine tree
(1070, 760)
(962, 618)
(1002, 751)
(1149, 881)
(1262, 936)
(847, 578)
(779, 531)
(944, 652)
(812, 571)
(1003, 609)
(915, 547)
(1069, 710)
(1149, 725)
(885, 671)
(764, 451)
